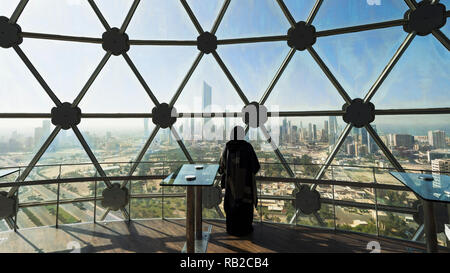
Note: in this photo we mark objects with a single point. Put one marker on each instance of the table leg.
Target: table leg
(198, 213)
(190, 221)
(430, 226)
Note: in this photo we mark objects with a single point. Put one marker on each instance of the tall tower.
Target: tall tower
(314, 132)
(206, 101)
(333, 130)
(371, 145)
(364, 136)
(145, 126)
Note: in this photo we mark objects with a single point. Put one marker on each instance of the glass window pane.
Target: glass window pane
(337, 14)
(174, 207)
(143, 208)
(28, 217)
(249, 18)
(61, 17)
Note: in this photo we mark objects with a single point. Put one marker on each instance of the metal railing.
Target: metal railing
(327, 188)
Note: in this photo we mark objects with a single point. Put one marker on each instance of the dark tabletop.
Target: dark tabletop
(431, 187)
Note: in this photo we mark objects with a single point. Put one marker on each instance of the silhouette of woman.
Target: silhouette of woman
(238, 166)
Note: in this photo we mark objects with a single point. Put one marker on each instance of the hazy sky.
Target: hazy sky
(420, 79)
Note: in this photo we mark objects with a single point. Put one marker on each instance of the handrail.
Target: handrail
(267, 179)
(215, 162)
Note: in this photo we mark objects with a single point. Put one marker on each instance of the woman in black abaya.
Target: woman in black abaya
(238, 166)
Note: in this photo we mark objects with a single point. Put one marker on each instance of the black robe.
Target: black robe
(238, 166)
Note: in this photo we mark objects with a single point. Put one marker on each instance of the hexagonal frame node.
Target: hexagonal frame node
(207, 42)
(115, 42)
(307, 200)
(164, 115)
(301, 36)
(425, 18)
(66, 116)
(254, 114)
(358, 113)
(9, 33)
(9, 206)
(115, 198)
(211, 197)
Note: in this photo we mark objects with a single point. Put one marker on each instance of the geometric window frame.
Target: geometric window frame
(441, 37)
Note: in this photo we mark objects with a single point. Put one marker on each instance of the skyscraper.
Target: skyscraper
(310, 133)
(364, 136)
(372, 147)
(403, 140)
(206, 100)
(333, 130)
(145, 126)
(325, 131)
(437, 139)
(46, 128)
(314, 132)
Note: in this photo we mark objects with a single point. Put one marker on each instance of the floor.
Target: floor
(165, 236)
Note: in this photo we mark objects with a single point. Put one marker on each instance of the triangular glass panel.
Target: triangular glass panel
(357, 59)
(337, 14)
(61, 17)
(304, 86)
(156, 19)
(206, 12)
(254, 65)
(65, 66)
(208, 90)
(253, 18)
(7, 8)
(163, 68)
(419, 79)
(115, 11)
(20, 139)
(26, 97)
(117, 90)
(300, 9)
